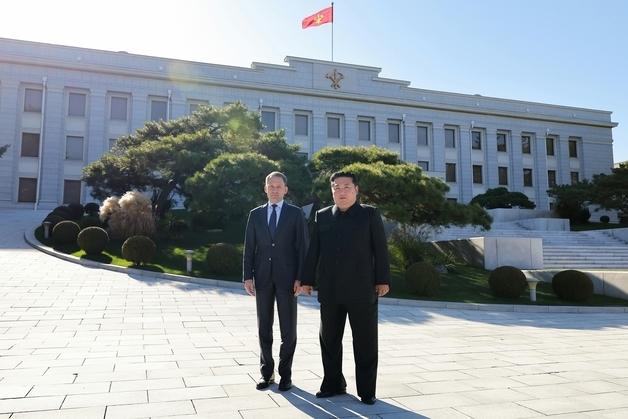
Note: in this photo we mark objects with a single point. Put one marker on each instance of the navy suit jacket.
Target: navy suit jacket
(277, 261)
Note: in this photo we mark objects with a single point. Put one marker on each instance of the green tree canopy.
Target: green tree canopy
(571, 201)
(611, 191)
(502, 198)
(3, 149)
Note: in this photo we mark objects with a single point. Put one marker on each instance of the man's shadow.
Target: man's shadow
(343, 406)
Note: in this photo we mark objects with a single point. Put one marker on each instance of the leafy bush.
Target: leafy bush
(76, 210)
(411, 246)
(128, 216)
(582, 216)
(139, 249)
(63, 212)
(93, 240)
(605, 219)
(65, 232)
(507, 282)
(422, 279)
(224, 259)
(572, 285)
(54, 219)
(502, 198)
(91, 208)
(90, 221)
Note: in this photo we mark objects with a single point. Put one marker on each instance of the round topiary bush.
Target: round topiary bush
(572, 285)
(507, 282)
(422, 279)
(605, 219)
(63, 212)
(54, 219)
(93, 240)
(76, 210)
(65, 232)
(224, 259)
(139, 249)
(90, 221)
(91, 208)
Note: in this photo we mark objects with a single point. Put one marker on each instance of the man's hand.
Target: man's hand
(249, 286)
(381, 289)
(306, 289)
(296, 288)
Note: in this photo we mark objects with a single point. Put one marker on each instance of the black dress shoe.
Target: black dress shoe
(323, 394)
(285, 385)
(264, 383)
(368, 400)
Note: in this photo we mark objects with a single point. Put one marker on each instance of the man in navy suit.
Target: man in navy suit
(275, 245)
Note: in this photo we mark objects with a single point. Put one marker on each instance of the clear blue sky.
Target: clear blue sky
(567, 52)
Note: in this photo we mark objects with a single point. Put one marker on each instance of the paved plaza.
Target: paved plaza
(82, 342)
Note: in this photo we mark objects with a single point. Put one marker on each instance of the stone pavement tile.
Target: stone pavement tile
(497, 411)
(258, 401)
(487, 372)
(92, 377)
(157, 384)
(597, 386)
(13, 391)
(386, 391)
(218, 380)
(28, 404)
(186, 393)
(80, 413)
(44, 379)
(178, 373)
(437, 387)
(67, 389)
(105, 399)
(443, 376)
(435, 401)
(153, 410)
(487, 383)
(549, 390)
(539, 379)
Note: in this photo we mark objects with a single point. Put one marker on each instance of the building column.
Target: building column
(465, 179)
(438, 149)
(351, 131)
(562, 155)
(515, 158)
(53, 148)
(490, 157)
(318, 134)
(9, 135)
(540, 171)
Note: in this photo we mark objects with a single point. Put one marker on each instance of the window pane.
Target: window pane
(525, 144)
(501, 142)
(393, 132)
(158, 110)
(364, 130)
(527, 177)
(32, 100)
(551, 178)
(76, 104)
(71, 191)
(575, 177)
(112, 142)
(30, 145)
(573, 148)
(74, 148)
(477, 174)
(450, 138)
(450, 172)
(476, 140)
(300, 122)
(503, 175)
(421, 136)
(268, 120)
(424, 165)
(549, 146)
(333, 127)
(119, 108)
(27, 189)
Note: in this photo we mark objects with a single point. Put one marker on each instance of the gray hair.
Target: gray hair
(276, 174)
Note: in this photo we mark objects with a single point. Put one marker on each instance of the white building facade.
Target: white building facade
(63, 107)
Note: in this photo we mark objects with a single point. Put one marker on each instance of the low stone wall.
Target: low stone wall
(514, 214)
(605, 282)
(546, 224)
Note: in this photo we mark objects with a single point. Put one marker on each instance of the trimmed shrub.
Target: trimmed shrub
(93, 240)
(76, 210)
(54, 219)
(605, 219)
(572, 285)
(507, 282)
(91, 208)
(128, 216)
(65, 232)
(422, 279)
(224, 259)
(63, 212)
(139, 249)
(90, 221)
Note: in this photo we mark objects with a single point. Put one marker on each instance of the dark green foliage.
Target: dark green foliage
(224, 259)
(411, 246)
(3, 149)
(93, 240)
(605, 219)
(65, 232)
(63, 212)
(507, 282)
(572, 285)
(90, 221)
(582, 216)
(76, 210)
(611, 191)
(92, 208)
(502, 198)
(54, 219)
(571, 201)
(139, 249)
(422, 279)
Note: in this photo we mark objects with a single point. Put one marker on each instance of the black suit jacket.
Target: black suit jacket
(348, 254)
(277, 261)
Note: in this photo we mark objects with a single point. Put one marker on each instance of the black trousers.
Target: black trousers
(363, 321)
(287, 310)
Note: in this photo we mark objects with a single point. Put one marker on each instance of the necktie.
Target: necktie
(272, 223)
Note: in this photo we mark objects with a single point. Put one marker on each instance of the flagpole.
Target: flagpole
(332, 31)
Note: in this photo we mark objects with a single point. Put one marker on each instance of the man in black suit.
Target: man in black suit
(349, 256)
(275, 245)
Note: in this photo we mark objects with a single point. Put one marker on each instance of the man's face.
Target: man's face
(344, 192)
(275, 189)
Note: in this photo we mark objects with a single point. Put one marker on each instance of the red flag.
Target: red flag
(318, 18)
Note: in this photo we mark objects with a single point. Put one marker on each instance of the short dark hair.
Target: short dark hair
(351, 175)
(276, 174)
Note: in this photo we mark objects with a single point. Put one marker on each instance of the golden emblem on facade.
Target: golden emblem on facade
(335, 77)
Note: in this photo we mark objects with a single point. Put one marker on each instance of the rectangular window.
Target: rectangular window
(158, 110)
(27, 189)
(525, 144)
(76, 104)
(268, 121)
(73, 148)
(421, 136)
(450, 138)
(424, 165)
(333, 127)
(30, 145)
(452, 200)
(575, 177)
(551, 178)
(450, 172)
(393, 132)
(119, 109)
(32, 100)
(193, 105)
(527, 177)
(549, 146)
(364, 130)
(477, 174)
(112, 143)
(476, 140)
(502, 173)
(71, 191)
(501, 142)
(301, 125)
(573, 148)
